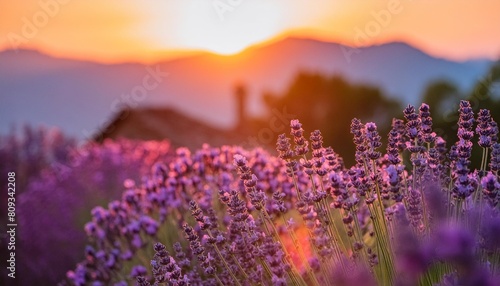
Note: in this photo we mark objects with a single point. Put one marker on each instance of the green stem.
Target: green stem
(278, 239)
(227, 266)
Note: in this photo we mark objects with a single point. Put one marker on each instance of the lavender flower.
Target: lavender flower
(301, 144)
(284, 147)
(464, 181)
(413, 124)
(317, 144)
(357, 130)
(487, 129)
(281, 221)
(137, 271)
(495, 158)
(395, 143)
(426, 124)
(373, 140)
(491, 188)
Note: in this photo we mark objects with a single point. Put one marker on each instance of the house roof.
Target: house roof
(166, 123)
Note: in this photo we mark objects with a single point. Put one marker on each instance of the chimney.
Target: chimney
(241, 95)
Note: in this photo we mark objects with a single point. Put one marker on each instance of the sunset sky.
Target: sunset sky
(147, 30)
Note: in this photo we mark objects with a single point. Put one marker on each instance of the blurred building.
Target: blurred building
(166, 123)
(180, 129)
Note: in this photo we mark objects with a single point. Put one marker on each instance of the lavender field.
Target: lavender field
(415, 213)
(249, 143)
(62, 182)
(408, 201)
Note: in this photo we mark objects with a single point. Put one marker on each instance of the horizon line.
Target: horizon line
(178, 54)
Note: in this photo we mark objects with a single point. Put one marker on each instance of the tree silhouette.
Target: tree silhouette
(330, 103)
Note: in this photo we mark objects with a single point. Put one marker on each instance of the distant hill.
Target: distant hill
(82, 97)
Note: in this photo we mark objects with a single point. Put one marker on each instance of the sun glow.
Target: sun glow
(150, 30)
(203, 27)
(227, 48)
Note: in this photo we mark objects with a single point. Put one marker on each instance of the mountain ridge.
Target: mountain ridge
(80, 96)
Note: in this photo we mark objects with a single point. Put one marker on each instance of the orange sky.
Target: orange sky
(144, 30)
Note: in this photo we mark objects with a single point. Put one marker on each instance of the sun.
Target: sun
(200, 27)
(228, 48)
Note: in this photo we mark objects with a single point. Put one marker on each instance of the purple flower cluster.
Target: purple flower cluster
(54, 206)
(487, 129)
(184, 189)
(228, 216)
(465, 183)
